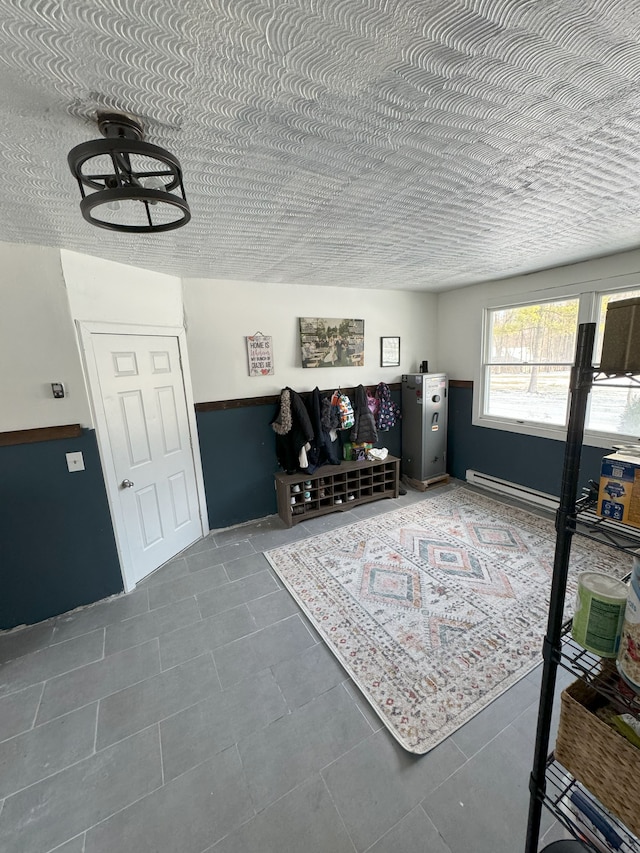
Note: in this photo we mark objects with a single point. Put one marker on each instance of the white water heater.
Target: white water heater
(424, 425)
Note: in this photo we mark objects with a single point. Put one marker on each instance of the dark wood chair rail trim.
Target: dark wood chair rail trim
(30, 436)
(273, 399)
(54, 433)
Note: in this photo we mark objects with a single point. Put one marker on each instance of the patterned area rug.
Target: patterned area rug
(436, 609)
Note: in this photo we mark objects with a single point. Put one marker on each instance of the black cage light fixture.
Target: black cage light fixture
(127, 184)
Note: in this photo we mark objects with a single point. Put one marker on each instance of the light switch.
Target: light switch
(75, 461)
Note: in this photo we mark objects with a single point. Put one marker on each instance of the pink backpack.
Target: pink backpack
(373, 403)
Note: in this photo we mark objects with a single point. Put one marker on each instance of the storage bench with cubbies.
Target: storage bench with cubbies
(335, 488)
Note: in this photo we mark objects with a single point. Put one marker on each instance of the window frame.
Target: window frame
(588, 311)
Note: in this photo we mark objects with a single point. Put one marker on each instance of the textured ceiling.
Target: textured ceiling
(414, 144)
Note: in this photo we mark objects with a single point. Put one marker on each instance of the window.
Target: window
(530, 353)
(613, 409)
(529, 350)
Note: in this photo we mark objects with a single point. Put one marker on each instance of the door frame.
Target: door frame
(86, 331)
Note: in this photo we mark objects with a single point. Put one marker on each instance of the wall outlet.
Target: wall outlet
(75, 461)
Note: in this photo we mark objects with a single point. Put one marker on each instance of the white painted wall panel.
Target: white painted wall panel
(459, 338)
(107, 292)
(220, 314)
(37, 344)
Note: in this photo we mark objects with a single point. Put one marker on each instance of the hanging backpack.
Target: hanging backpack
(373, 403)
(388, 411)
(347, 419)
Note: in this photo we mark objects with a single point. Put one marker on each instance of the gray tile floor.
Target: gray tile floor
(202, 713)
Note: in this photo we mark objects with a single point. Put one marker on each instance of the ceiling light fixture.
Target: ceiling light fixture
(127, 184)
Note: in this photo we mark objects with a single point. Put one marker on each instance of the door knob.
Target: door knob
(126, 484)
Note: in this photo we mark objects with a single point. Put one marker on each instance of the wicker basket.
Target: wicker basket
(597, 755)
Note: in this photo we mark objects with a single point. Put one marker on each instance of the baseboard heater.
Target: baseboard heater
(541, 499)
(513, 490)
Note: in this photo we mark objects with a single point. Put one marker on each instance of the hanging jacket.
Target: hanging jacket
(324, 450)
(364, 428)
(330, 415)
(388, 411)
(293, 430)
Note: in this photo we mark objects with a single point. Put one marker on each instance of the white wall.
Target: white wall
(107, 292)
(101, 291)
(37, 342)
(44, 290)
(220, 314)
(459, 343)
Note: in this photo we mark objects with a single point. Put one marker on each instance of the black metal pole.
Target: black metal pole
(580, 385)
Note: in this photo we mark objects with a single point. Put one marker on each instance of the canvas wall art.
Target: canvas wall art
(331, 342)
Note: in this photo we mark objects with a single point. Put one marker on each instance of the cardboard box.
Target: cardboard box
(619, 493)
(356, 452)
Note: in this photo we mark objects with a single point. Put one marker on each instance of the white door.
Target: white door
(143, 395)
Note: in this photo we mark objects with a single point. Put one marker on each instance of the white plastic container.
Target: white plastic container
(599, 613)
(628, 661)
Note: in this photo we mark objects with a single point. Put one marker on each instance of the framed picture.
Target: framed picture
(389, 352)
(330, 342)
(260, 354)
